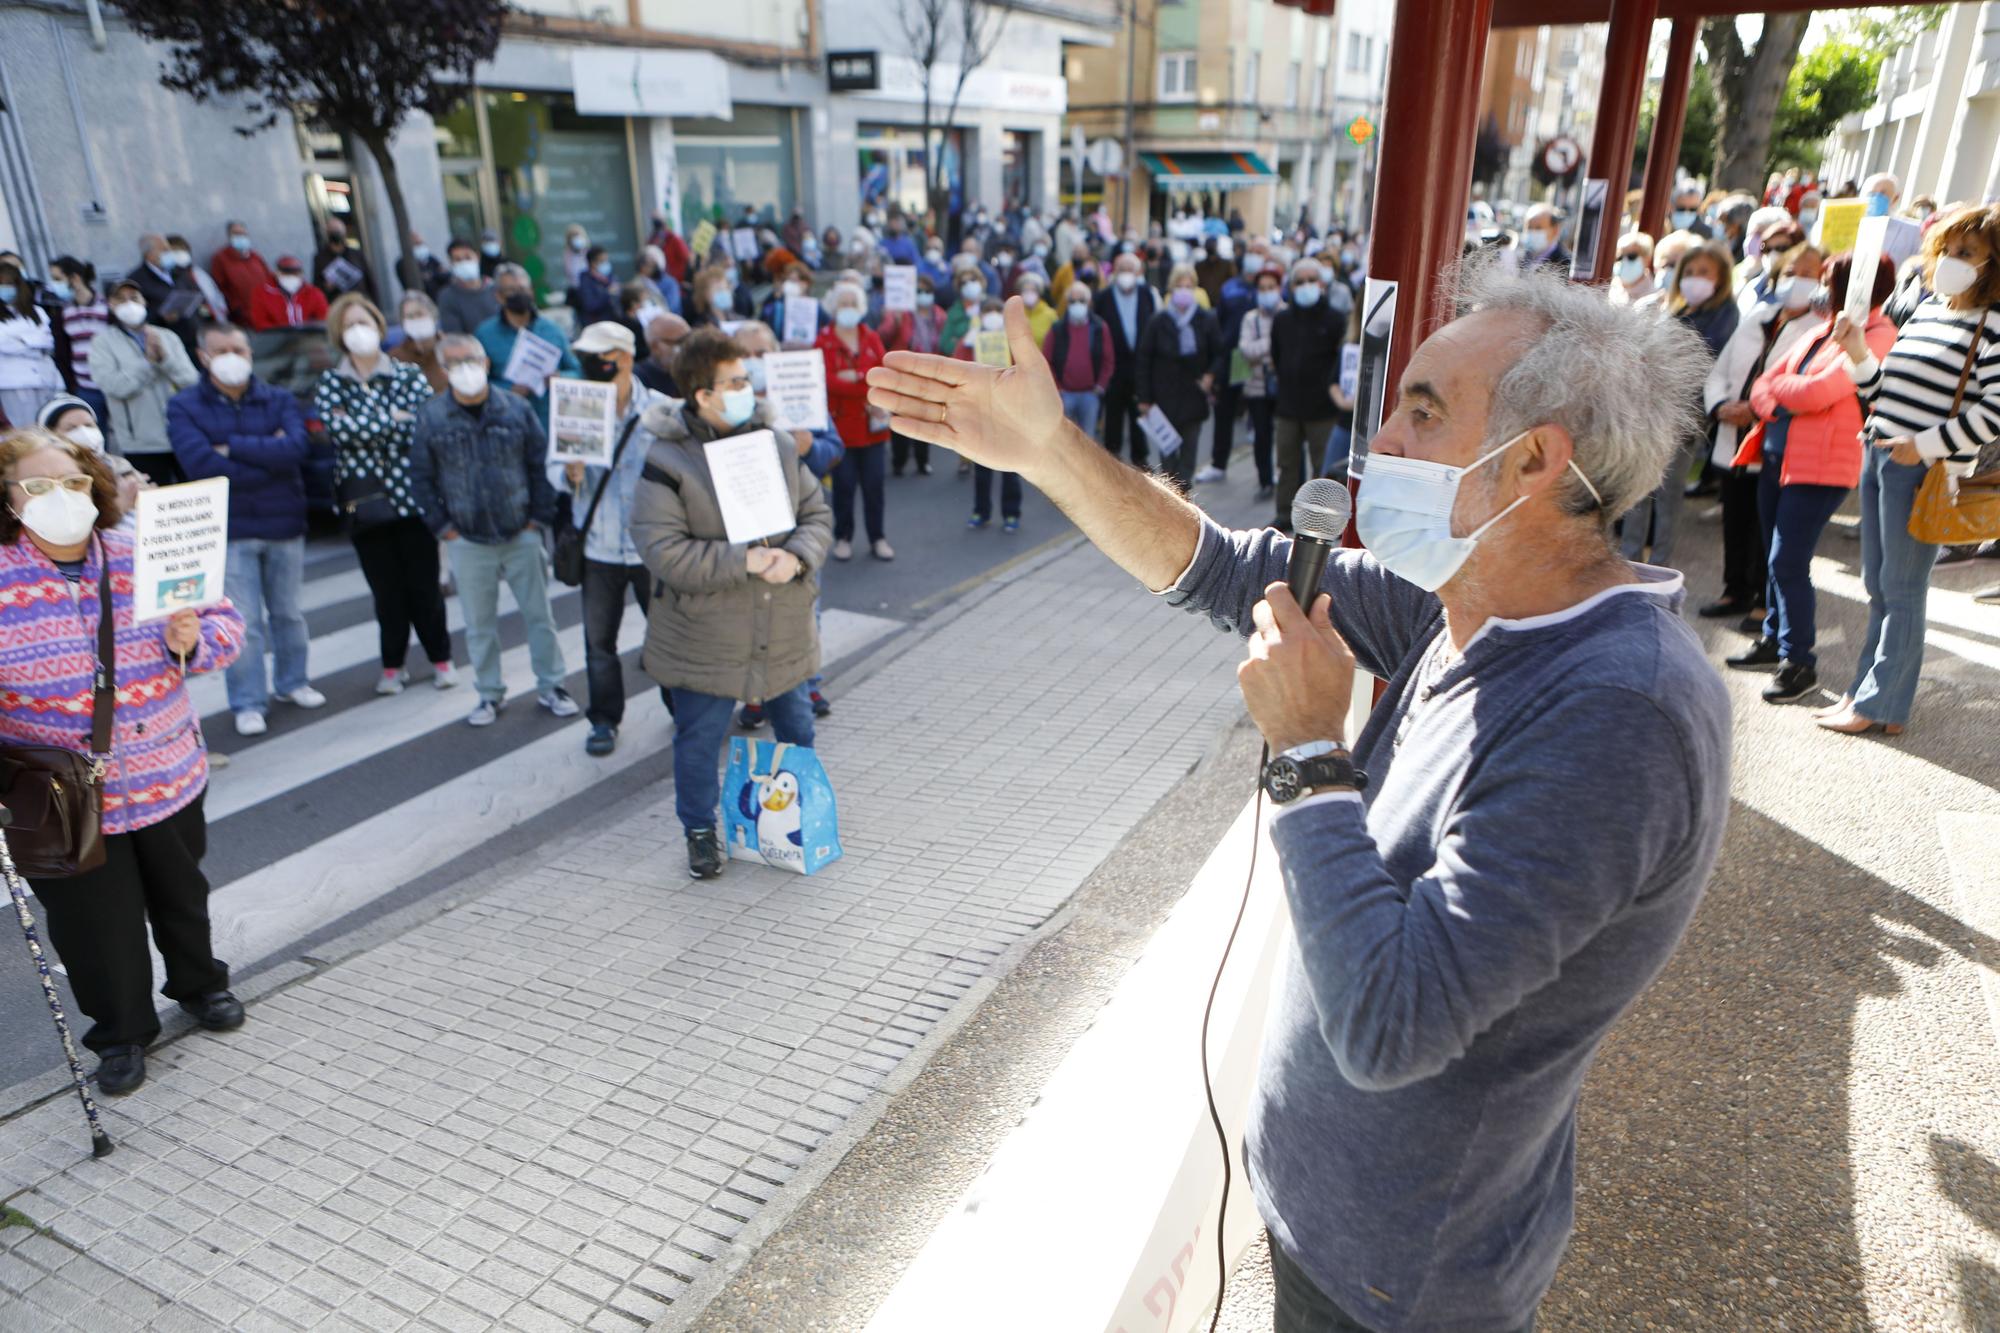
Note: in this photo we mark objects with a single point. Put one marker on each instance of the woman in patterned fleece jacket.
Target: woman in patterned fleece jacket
(157, 772)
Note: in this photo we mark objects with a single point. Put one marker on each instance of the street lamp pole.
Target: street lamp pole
(1131, 67)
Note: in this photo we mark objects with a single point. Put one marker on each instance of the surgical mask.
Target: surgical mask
(1306, 294)
(8, 291)
(421, 329)
(1952, 276)
(1182, 298)
(130, 313)
(421, 253)
(1822, 299)
(793, 290)
(972, 291)
(1126, 281)
(935, 257)
(178, 259)
(847, 316)
(361, 339)
(1807, 217)
(1877, 205)
(1079, 311)
(1403, 514)
(1252, 265)
(1683, 218)
(240, 244)
(925, 300)
(1039, 251)
(992, 323)
(290, 282)
(754, 368)
(61, 518)
(231, 370)
(603, 268)
(738, 405)
(579, 242)
(491, 249)
(466, 270)
(1538, 240)
(90, 437)
(468, 379)
(1696, 291)
(1630, 271)
(1003, 260)
(1269, 300)
(1795, 293)
(1030, 297)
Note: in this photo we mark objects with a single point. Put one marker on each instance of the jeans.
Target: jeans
(1896, 570)
(604, 589)
(1337, 445)
(1227, 397)
(866, 468)
(478, 568)
(1301, 1307)
(400, 562)
(1121, 419)
(1295, 460)
(264, 579)
(1083, 408)
(1263, 418)
(1744, 569)
(982, 493)
(701, 721)
(1658, 513)
(1793, 518)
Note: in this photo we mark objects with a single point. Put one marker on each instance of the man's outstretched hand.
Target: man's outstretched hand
(1009, 419)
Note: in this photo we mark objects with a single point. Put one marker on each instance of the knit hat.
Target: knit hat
(53, 409)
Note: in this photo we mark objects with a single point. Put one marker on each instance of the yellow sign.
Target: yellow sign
(1839, 220)
(704, 236)
(989, 348)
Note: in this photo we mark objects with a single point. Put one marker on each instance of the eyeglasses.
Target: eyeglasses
(76, 481)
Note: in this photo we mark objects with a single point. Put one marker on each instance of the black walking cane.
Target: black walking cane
(100, 1142)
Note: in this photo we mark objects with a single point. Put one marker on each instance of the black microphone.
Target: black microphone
(1319, 520)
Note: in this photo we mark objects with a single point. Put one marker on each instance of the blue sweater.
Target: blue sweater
(264, 434)
(1542, 814)
(497, 336)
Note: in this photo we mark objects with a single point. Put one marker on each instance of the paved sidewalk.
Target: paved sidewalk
(552, 1106)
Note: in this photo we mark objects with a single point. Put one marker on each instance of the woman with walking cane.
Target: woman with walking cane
(57, 533)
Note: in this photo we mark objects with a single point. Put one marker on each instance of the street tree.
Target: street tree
(1830, 82)
(1697, 154)
(1749, 80)
(356, 67)
(944, 32)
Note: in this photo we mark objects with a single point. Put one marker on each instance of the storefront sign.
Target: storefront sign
(852, 72)
(650, 83)
(1007, 90)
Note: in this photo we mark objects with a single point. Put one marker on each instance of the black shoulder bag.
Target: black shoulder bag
(57, 795)
(570, 539)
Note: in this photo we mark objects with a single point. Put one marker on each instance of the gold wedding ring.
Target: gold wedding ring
(944, 412)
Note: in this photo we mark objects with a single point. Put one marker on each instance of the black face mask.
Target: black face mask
(519, 303)
(602, 369)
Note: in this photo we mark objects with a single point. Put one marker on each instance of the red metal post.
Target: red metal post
(1663, 154)
(1625, 51)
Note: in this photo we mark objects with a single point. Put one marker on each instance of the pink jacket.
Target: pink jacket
(1815, 384)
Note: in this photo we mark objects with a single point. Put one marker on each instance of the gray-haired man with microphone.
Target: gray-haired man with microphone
(1485, 878)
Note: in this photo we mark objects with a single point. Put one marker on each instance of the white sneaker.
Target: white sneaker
(444, 675)
(250, 722)
(557, 701)
(305, 696)
(1210, 473)
(392, 682)
(843, 550)
(485, 715)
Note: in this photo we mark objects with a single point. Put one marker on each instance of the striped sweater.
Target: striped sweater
(48, 657)
(1910, 392)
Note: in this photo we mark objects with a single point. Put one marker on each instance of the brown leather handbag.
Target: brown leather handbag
(56, 795)
(1947, 513)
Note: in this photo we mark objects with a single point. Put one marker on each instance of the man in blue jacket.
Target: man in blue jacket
(517, 316)
(231, 424)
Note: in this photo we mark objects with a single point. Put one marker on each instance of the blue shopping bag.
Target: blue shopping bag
(778, 807)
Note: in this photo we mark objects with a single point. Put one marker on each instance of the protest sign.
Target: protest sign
(899, 287)
(751, 487)
(1868, 239)
(795, 383)
(180, 546)
(989, 348)
(1350, 369)
(532, 361)
(801, 321)
(1903, 240)
(583, 421)
(1838, 219)
(743, 244)
(703, 238)
(1161, 432)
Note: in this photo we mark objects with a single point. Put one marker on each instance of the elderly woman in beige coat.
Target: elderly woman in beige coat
(728, 620)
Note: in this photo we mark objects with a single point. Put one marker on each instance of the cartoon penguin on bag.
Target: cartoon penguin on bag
(771, 804)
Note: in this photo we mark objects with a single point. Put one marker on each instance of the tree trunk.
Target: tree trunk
(407, 271)
(1748, 85)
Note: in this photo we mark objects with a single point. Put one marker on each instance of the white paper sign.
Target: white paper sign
(989, 348)
(1868, 241)
(750, 486)
(1902, 241)
(899, 287)
(1350, 369)
(1161, 432)
(743, 244)
(532, 361)
(801, 320)
(795, 382)
(729, 327)
(583, 421)
(179, 548)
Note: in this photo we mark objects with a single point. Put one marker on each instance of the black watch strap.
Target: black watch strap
(1286, 779)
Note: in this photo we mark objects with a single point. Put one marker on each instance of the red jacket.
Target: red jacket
(1812, 383)
(270, 308)
(240, 277)
(898, 329)
(847, 399)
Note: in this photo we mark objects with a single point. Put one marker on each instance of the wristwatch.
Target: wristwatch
(1314, 766)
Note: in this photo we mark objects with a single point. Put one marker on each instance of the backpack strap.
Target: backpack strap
(655, 473)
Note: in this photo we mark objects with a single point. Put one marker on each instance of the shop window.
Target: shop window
(892, 167)
(553, 167)
(728, 164)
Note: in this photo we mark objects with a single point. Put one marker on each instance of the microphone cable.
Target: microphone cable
(1207, 1012)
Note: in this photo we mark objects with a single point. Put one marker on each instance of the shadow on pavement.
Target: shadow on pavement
(1972, 1182)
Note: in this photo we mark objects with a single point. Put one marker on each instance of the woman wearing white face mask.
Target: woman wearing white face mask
(1632, 270)
(1935, 399)
(418, 344)
(852, 350)
(74, 420)
(59, 553)
(369, 404)
(139, 367)
(28, 371)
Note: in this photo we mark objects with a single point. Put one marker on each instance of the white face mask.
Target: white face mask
(468, 379)
(1796, 293)
(1126, 281)
(1404, 512)
(231, 370)
(60, 518)
(90, 437)
(1696, 291)
(1952, 276)
(130, 313)
(793, 291)
(291, 282)
(361, 339)
(1030, 297)
(423, 328)
(466, 270)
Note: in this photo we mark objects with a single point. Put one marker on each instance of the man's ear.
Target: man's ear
(1545, 456)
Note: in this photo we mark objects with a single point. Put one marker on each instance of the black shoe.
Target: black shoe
(1702, 487)
(751, 718)
(1760, 654)
(1752, 624)
(218, 1012)
(602, 740)
(1724, 606)
(120, 1070)
(821, 708)
(895, 472)
(1794, 681)
(704, 854)
(1266, 491)
(1957, 555)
